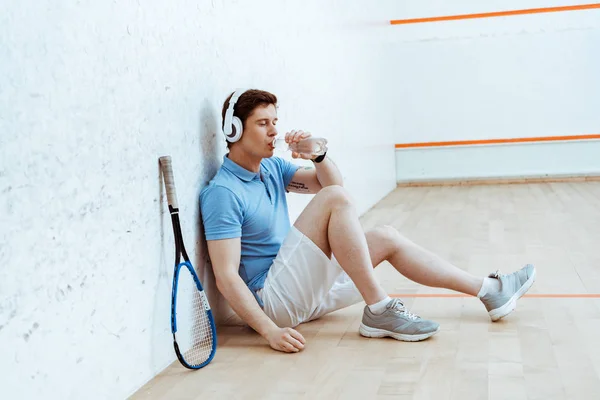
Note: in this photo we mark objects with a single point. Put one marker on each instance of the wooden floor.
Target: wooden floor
(549, 348)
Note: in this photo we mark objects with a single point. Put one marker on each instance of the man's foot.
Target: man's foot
(502, 302)
(398, 323)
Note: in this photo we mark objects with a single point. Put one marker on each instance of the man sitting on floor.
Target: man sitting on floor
(276, 276)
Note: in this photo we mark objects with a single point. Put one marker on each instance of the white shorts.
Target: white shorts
(304, 284)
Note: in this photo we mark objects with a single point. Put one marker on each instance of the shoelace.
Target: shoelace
(496, 274)
(398, 307)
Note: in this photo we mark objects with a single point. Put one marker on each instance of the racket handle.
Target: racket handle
(167, 171)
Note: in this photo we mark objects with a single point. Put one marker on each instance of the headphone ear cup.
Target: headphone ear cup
(236, 130)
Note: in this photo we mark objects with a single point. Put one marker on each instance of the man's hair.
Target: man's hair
(247, 103)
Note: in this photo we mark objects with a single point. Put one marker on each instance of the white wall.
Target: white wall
(508, 77)
(91, 94)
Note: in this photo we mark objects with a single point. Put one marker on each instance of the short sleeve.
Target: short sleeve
(287, 170)
(222, 213)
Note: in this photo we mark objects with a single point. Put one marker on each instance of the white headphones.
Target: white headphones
(232, 126)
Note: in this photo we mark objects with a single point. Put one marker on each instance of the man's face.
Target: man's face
(260, 132)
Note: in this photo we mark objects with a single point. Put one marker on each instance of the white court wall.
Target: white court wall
(494, 78)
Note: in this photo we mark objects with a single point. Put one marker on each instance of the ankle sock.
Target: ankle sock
(380, 306)
(489, 285)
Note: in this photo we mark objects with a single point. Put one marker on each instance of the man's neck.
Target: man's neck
(245, 160)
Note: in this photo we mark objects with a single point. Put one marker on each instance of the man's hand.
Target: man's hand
(287, 340)
(294, 137)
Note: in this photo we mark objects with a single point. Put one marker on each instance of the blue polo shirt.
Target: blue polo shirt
(251, 206)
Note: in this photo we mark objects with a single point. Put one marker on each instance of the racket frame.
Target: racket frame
(180, 251)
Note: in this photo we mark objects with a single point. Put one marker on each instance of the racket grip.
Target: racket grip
(167, 171)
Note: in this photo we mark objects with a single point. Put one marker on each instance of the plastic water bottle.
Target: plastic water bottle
(311, 147)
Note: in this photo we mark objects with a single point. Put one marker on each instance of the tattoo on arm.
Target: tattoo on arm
(299, 187)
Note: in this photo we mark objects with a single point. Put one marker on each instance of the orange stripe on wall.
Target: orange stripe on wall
(535, 295)
(498, 141)
(495, 14)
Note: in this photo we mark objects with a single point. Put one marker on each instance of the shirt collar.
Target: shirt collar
(238, 170)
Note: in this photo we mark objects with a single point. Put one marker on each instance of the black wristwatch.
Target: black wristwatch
(320, 158)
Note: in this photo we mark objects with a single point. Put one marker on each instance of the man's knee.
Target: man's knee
(335, 195)
(389, 235)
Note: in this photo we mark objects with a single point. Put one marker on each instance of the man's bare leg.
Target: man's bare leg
(418, 264)
(331, 222)
(498, 293)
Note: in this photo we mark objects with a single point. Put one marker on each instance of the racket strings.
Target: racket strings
(194, 330)
(202, 342)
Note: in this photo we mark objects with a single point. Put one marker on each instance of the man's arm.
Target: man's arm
(328, 173)
(312, 179)
(225, 259)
